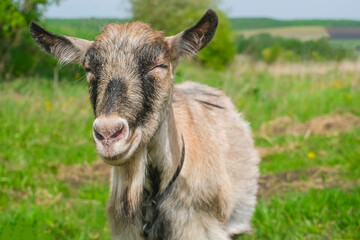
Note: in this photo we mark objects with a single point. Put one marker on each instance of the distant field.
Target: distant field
(300, 32)
(343, 33)
(302, 29)
(258, 23)
(92, 25)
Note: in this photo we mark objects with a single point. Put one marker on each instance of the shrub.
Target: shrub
(271, 54)
(268, 48)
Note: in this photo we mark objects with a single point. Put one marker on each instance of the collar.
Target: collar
(149, 204)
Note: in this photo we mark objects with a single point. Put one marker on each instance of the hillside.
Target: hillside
(258, 23)
(89, 27)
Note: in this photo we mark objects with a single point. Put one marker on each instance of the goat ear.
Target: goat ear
(195, 38)
(66, 49)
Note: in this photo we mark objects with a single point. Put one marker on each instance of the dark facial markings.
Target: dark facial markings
(95, 61)
(148, 57)
(115, 98)
(93, 91)
(115, 91)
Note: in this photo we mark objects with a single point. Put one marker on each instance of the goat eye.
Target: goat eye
(162, 66)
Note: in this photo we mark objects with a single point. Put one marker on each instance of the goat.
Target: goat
(184, 162)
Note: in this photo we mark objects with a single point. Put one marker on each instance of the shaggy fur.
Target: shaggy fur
(130, 70)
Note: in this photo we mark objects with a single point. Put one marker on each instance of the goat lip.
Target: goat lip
(111, 160)
(123, 156)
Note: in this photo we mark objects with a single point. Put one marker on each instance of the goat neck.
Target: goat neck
(164, 153)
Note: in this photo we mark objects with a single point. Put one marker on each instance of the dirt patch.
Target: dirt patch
(301, 180)
(76, 174)
(16, 193)
(264, 151)
(331, 124)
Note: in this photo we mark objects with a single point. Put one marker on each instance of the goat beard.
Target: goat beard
(127, 188)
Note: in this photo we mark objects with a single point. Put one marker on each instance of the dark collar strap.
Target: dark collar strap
(149, 205)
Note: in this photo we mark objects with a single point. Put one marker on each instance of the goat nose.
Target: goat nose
(110, 129)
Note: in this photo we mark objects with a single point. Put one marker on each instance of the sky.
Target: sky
(279, 9)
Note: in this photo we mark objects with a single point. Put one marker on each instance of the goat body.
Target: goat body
(184, 143)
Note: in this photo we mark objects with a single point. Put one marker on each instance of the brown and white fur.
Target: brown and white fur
(141, 119)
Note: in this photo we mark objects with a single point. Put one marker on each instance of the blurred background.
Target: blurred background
(291, 67)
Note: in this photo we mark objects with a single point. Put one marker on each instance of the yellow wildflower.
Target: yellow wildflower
(48, 106)
(77, 75)
(240, 103)
(337, 83)
(311, 155)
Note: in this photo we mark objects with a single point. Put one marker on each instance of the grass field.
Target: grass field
(299, 32)
(306, 122)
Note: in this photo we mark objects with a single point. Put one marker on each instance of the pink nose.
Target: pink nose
(108, 130)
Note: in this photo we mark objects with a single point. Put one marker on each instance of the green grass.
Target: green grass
(315, 214)
(46, 129)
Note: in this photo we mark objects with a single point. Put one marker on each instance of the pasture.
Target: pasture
(299, 32)
(305, 118)
(306, 125)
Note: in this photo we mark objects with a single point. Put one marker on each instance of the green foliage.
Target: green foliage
(171, 17)
(353, 44)
(269, 49)
(221, 49)
(10, 17)
(86, 28)
(15, 16)
(272, 53)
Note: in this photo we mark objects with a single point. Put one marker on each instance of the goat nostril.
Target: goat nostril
(98, 135)
(117, 133)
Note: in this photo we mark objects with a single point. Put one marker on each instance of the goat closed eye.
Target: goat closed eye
(159, 67)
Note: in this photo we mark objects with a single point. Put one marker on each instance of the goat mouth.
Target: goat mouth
(123, 157)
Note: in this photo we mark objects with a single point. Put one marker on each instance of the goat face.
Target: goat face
(129, 69)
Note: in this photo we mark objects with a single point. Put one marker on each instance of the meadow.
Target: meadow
(305, 118)
(306, 127)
